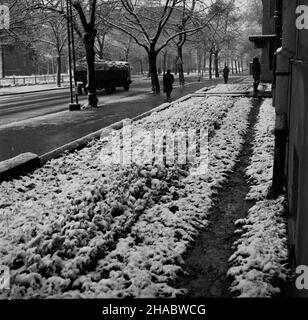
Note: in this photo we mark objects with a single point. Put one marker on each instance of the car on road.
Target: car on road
(109, 75)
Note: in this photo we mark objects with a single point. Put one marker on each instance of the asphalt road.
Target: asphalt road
(40, 122)
(23, 106)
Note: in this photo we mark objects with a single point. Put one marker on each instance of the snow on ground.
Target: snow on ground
(262, 160)
(230, 88)
(80, 227)
(30, 88)
(261, 253)
(144, 263)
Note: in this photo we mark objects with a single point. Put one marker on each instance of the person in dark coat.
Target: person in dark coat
(256, 73)
(226, 72)
(168, 81)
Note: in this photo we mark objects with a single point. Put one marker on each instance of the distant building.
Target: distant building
(266, 41)
(16, 60)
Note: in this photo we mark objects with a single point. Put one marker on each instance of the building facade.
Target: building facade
(291, 128)
(293, 60)
(16, 60)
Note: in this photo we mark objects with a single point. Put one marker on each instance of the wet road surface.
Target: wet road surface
(40, 122)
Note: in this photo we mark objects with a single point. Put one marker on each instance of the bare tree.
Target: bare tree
(85, 25)
(100, 44)
(52, 33)
(104, 9)
(218, 33)
(88, 34)
(21, 24)
(145, 23)
(186, 18)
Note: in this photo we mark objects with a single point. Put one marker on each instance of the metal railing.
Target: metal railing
(32, 80)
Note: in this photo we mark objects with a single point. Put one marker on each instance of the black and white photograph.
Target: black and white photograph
(153, 158)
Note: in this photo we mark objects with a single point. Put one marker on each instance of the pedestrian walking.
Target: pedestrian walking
(226, 72)
(168, 81)
(256, 73)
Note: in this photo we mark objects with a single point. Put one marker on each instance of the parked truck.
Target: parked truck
(109, 75)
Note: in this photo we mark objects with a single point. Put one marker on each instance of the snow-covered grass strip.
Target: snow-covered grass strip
(258, 265)
(230, 88)
(145, 263)
(193, 113)
(78, 227)
(31, 202)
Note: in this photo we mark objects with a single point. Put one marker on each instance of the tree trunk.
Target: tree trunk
(232, 66)
(210, 65)
(175, 67)
(127, 51)
(236, 69)
(89, 39)
(101, 44)
(141, 66)
(199, 63)
(165, 62)
(180, 66)
(204, 65)
(59, 71)
(216, 64)
(2, 69)
(53, 66)
(66, 65)
(152, 54)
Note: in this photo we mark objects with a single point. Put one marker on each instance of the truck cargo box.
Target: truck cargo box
(109, 75)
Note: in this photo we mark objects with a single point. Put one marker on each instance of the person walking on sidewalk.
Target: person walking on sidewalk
(256, 73)
(168, 81)
(226, 72)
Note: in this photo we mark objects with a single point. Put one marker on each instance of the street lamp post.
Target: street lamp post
(73, 106)
(73, 52)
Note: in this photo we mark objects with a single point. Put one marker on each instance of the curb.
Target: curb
(21, 164)
(25, 163)
(82, 142)
(79, 143)
(27, 92)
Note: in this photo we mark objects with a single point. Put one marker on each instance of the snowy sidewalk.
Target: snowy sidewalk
(30, 88)
(259, 263)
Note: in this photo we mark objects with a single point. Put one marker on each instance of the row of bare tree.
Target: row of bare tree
(151, 27)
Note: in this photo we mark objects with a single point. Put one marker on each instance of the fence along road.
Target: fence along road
(32, 80)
